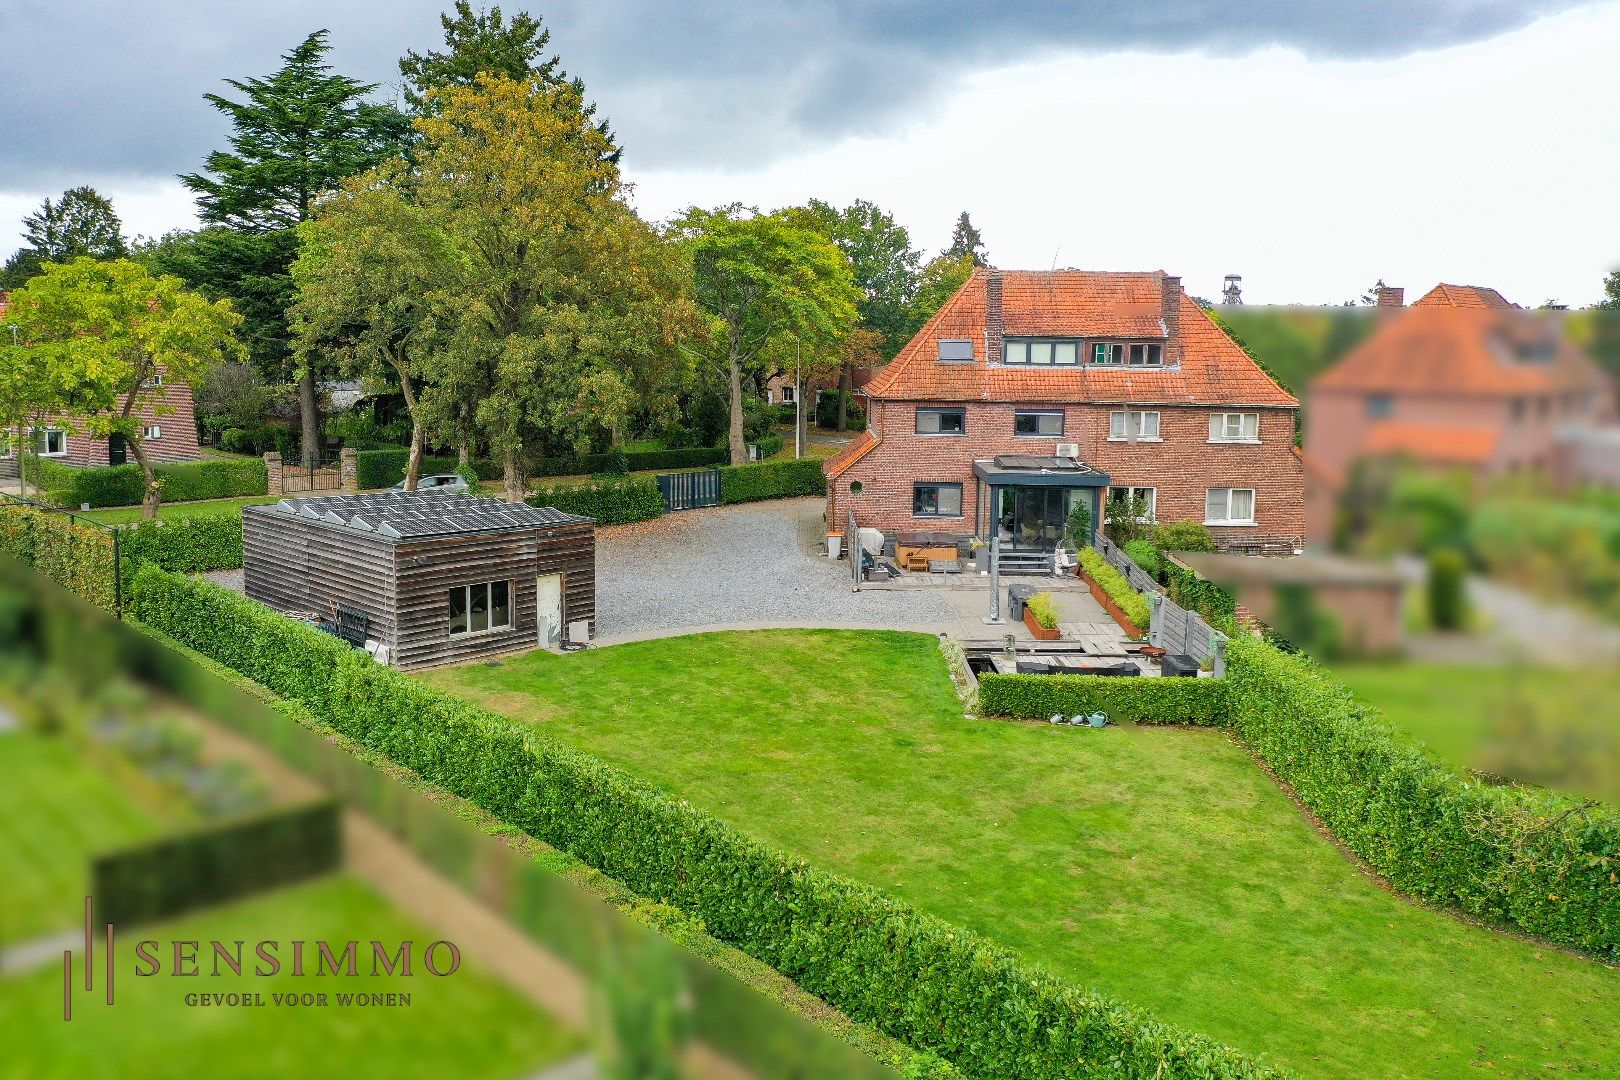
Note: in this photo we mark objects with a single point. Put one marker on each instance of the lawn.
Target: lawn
(123, 515)
(55, 812)
(462, 1025)
(1558, 728)
(1161, 866)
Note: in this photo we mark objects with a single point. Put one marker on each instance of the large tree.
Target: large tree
(110, 330)
(937, 283)
(81, 222)
(763, 280)
(484, 43)
(296, 134)
(965, 240)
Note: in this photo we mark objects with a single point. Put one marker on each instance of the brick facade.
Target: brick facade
(177, 441)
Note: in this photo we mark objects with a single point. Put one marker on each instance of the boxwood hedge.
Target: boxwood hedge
(121, 485)
(1111, 581)
(186, 545)
(75, 555)
(913, 976)
(1144, 701)
(609, 502)
(771, 480)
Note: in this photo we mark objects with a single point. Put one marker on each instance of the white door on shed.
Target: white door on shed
(548, 603)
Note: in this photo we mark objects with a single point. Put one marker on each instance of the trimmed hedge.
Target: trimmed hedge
(1142, 700)
(1544, 863)
(385, 468)
(1111, 581)
(77, 556)
(1195, 593)
(608, 502)
(216, 863)
(913, 976)
(771, 480)
(187, 545)
(769, 445)
(121, 485)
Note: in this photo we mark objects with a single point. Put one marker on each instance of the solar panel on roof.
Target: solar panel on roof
(403, 515)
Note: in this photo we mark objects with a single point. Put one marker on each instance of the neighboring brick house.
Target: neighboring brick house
(1031, 391)
(171, 436)
(1462, 379)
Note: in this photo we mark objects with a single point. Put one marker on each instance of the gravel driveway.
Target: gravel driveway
(755, 565)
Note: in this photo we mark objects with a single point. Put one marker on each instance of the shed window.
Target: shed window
(955, 351)
(941, 421)
(1049, 424)
(480, 608)
(936, 500)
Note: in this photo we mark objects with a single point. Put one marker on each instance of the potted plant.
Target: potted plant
(1040, 615)
(981, 555)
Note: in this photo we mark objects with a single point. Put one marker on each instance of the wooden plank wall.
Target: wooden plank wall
(292, 564)
(428, 569)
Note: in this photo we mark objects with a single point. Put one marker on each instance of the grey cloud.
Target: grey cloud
(93, 89)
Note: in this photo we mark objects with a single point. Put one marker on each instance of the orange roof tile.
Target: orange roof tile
(1464, 296)
(1076, 304)
(850, 454)
(1432, 443)
(1434, 349)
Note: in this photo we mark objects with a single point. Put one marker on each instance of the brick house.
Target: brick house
(1462, 379)
(171, 436)
(1029, 392)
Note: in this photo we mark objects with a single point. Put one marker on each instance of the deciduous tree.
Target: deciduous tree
(106, 330)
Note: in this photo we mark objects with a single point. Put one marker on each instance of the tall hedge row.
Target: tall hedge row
(771, 480)
(913, 976)
(1545, 863)
(385, 468)
(1143, 701)
(79, 557)
(121, 485)
(609, 502)
(186, 545)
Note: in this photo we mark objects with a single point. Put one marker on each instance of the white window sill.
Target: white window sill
(939, 517)
(62, 454)
(1053, 437)
(1237, 442)
(941, 434)
(480, 633)
(1219, 523)
(1139, 438)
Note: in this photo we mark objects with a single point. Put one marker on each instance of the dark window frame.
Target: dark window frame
(960, 413)
(938, 486)
(1037, 414)
(469, 607)
(968, 359)
(1051, 342)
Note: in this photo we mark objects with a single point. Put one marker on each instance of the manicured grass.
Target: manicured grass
(463, 1025)
(1551, 727)
(122, 515)
(55, 812)
(1161, 866)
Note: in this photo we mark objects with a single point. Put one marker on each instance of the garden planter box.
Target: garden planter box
(1113, 609)
(1041, 633)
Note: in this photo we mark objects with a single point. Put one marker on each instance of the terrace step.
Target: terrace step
(1025, 562)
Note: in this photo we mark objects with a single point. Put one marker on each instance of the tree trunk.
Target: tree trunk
(149, 496)
(413, 463)
(843, 397)
(801, 420)
(739, 448)
(309, 414)
(463, 453)
(512, 468)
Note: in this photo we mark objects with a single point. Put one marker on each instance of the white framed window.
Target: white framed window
(5, 444)
(1145, 499)
(787, 394)
(50, 442)
(1241, 427)
(1145, 354)
(151, 432)
(1229, 506)
(481, 608)
(1133, 425)
(152, 382)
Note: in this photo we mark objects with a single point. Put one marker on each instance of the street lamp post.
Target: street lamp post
(798, 402)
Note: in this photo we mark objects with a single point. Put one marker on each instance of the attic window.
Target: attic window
(955, 351)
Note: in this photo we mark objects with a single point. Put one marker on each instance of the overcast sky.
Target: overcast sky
(1310, 146)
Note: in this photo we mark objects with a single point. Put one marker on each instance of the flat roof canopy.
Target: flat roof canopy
(418, 515)
(1021, 470)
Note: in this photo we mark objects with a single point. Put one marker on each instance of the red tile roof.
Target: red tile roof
(1435, 349)
(1076, 304)
(1431, 443)
(1464, 296)
(850, 454)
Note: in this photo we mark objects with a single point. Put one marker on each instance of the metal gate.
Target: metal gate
(690, 490)
(320, 474)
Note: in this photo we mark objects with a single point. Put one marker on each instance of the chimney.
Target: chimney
(1391, 297)
(994, 327)
(1170, 312)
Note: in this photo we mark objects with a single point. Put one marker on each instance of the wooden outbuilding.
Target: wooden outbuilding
(423, 578)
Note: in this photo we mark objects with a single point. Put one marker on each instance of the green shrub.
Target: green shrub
(611, 502)
(79, 557)
(1448, 589)
(189, 545)
(469, 474)
(915, 977)
(1044, 610)
(1111, 581)
(1145, 555)
(827, 411)
(1183, 536)
(216, 863)
(1140, 700)
(193, 480)
(235, 440)
(771, 480)
(633, 461)
(770, 446)
(385, 468)
(122, 485)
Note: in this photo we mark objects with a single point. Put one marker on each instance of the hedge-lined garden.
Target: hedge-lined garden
(385, 468)
(916, 977)
(608, 502)
(189, 545)
(1142, 701)
(121, 485)
(77, 556)
(771, 480)
(1111, 581)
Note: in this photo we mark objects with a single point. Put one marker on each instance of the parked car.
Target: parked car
(448, 483)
